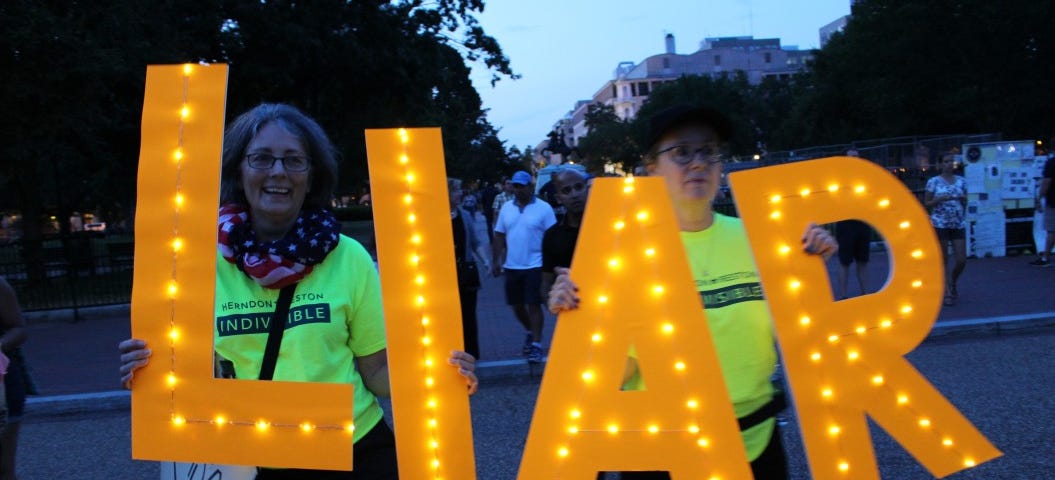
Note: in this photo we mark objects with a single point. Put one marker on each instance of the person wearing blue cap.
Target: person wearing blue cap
(517, 250)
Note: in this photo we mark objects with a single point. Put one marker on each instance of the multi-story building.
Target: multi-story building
(632, 82)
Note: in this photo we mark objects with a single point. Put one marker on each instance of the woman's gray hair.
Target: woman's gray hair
(240, 132)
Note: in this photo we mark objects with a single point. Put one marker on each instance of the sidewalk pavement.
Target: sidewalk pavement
(75, 364)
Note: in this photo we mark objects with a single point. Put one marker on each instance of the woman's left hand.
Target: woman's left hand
(467, 367)
(817, 241)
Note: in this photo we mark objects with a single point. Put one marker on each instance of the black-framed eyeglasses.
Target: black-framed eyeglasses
(577, 187)
(685, 153)
(265, 161)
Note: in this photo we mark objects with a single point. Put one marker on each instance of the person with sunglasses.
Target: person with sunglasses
(558, 244)
(279, 244)
(686, 147)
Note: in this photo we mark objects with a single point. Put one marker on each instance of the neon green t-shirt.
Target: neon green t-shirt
(724, 270)
(336, 315)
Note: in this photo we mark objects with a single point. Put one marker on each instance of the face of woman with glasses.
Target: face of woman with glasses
(276, 176)
(690, 162)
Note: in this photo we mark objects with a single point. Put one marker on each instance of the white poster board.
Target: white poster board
(205, 471)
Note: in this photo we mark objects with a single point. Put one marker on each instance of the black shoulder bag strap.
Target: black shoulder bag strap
(274, 335)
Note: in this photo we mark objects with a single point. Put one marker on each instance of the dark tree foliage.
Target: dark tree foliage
(72, 76)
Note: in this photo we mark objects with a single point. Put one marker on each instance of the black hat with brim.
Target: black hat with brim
(673, 117)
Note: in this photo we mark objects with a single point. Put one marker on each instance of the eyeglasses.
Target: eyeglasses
(265, 161)
(683, 154)
(567, 189)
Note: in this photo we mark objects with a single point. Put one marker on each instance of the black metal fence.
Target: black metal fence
(85, 269)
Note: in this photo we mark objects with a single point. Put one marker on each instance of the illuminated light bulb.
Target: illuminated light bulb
(403, 137)
(602, 299)
(642, 216)
(429, 381)
(404, 159)
(178, 155)
(775, 215)
(668, 328)
(628, 189)
(784, 249)
(412, 218)
(613, 428)
(968, 462)
(904, 225)
(833, 338)
(184, 112)
(174, 334)
(171, 379)
(574, 413)
(877, 380)
(805, 320)
(262, 425)
(596, 338)
(420, 300)
(924, 422)
(562, 452)
(435, 464)
(587, 376)
(416, 239)
(946, 442)
(774, 199)
(432, 423)
(572, 430)
(805, 192)
(431, 403)
(653, 429)
(420, 279)
(907, 309)
(426, 340)
(886, 323)
(429, 362)
(650, 252)
(434, 444)
(853, 355)
(410, 177)
(613, 263)
(703, 442)
(694, 429)
(815, 356)
(692, 404)
(178, 420)
(917, 283)
(219, 421)
(414, 259)
(884, 203)
(860, 330)
(173, 289)
(794, 284)
(827, 393)
(408, 199)
(859, 189)
(902, 399)
(306, 427)
(844, 466)
(187, 69)
(834, 430)
(629, 180)
(833, 187)
(619, 225)
(917, 254)
(349, 427)
(679, 366)
(180, 199)
(424, 321)
(177, 244)
(657, 290)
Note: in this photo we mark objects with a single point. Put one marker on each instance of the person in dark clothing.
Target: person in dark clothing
(558, 243)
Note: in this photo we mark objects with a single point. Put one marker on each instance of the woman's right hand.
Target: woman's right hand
(134, 355)
(564, 295)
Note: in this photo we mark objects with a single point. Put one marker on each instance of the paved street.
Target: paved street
(990, 355)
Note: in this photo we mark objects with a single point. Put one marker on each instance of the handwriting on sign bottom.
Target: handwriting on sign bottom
(205, 471)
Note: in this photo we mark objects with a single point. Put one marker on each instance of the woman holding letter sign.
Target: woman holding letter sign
(685, 146)
(280, 249)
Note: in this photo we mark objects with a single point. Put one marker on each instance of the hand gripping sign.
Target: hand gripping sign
(845, 359)
(179, 411)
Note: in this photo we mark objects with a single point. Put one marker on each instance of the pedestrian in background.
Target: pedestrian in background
(946, 197)
(1045, 202)
(468, 248)
(12, 336)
